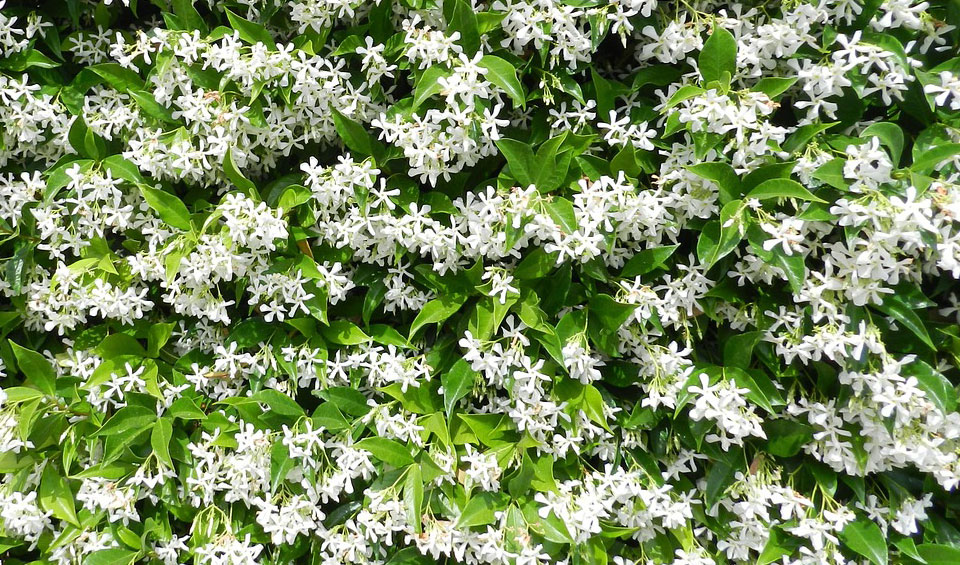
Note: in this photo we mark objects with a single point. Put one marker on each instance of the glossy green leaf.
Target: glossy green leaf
(865, 537)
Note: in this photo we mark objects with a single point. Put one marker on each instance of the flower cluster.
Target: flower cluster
(479, 281)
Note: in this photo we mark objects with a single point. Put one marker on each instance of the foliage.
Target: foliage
(509, 281)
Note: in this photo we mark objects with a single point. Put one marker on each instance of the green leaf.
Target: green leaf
(785, 438)
(865, 537)
(799, 138)
(457, 382)
(718, 56)
(386, 450)
(647, 260)
(719, 478)
(793, 267)
(280, 464)
(249, 31)
(116, 556)
(722, 174)
(763, 392)
(26, 59)
(36, 369)
(189, 17)
(610, 313)
(348, 400)
(937, 387)
(889, 135)
(355, 136)
(504, 75)
(720, 237)
(184, 408)
(56, 496)
(550, 527)
(593, 406)
(685, 92)
(128, 418)
(251, 333)
(160, 440)
(344, 332)
(774, 86)
(236, 177)
(122, 169)
(909, 548)
(18, 394)
(481, 510)
(894, 307)
(553, 160)
(562, 213)
(413, 496)
(167, 206)
(738, 349)
(782, 188)
(937, 554)
(520, 158)
(348, 45)
(387, 335)
(831, 173)
(779, 170)
(150, 106)
(117, 76)
(278, 402)
(462, 18)
(931, 158)
(536, 265)
(436, 311)
(429, 84)
(778, 545)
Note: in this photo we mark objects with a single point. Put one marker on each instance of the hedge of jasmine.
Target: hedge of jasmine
(461, 281)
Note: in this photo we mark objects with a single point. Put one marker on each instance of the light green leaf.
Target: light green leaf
(348, 400)
(429, 84)
(504, 75)
(128, 418)
(344, 332)
(562, 213)
(56, 496)
(249, 31)
(722, 174)
(718, 56)
(457, 382)
(782, 188)
(436, 311)
(481, 510)
(865, 537)
(774, 86)
(167, 206)
(387, 450)
(520, 158)
(413, 496)
(236, 177)
(160, 440)
(116, 556)
(36, 369)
